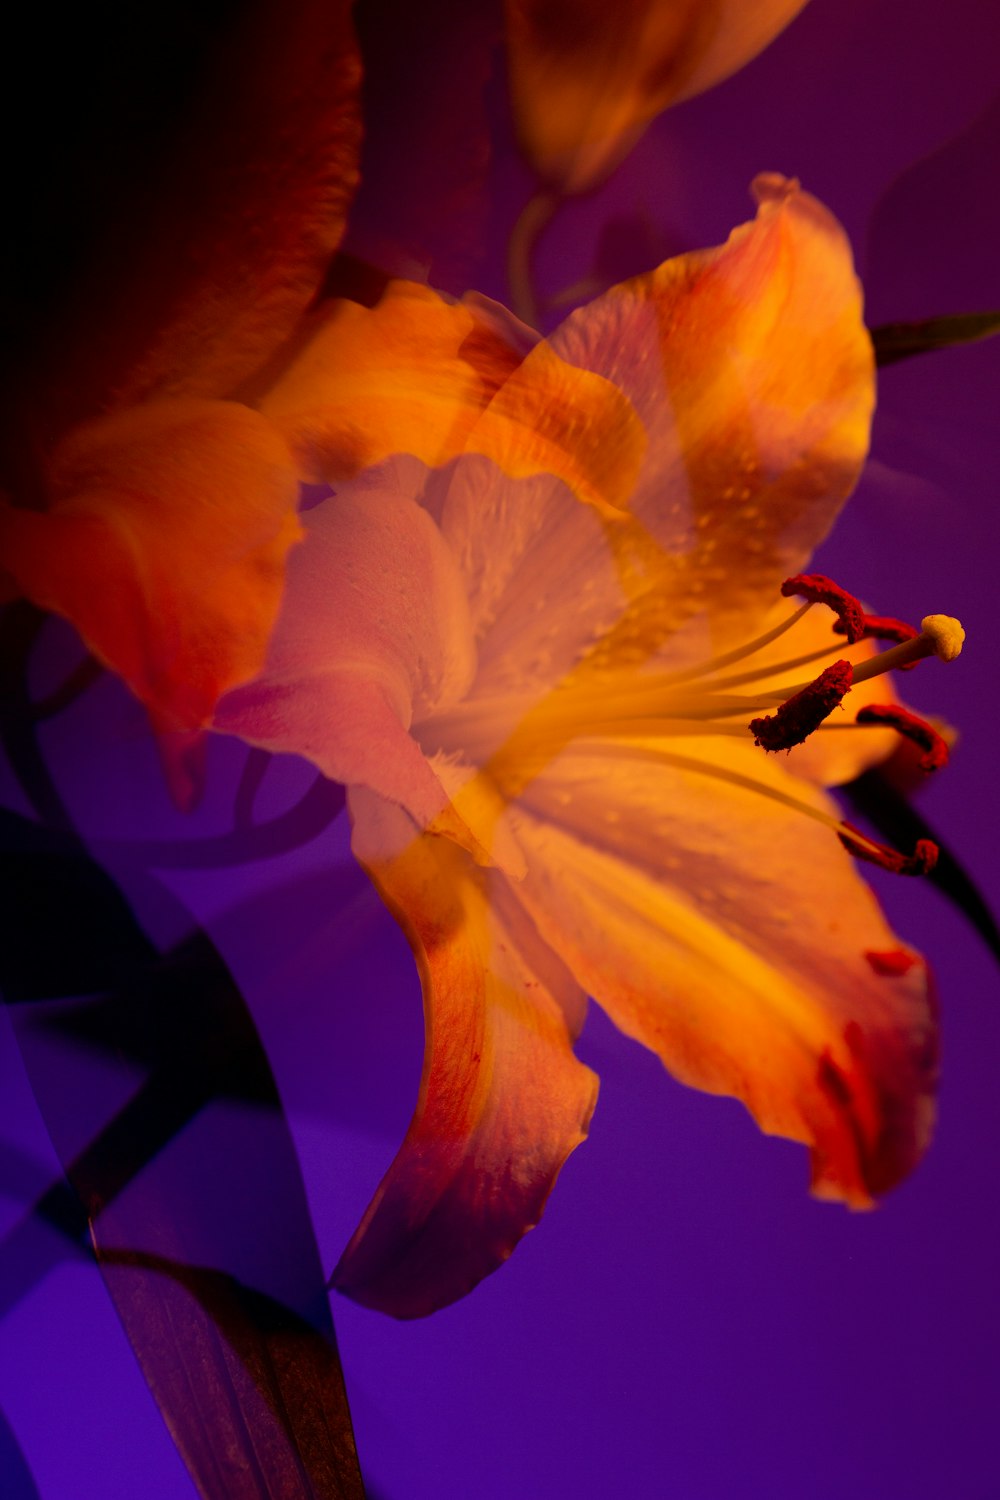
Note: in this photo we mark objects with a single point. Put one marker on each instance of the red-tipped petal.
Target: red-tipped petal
(503, 1101)
(892, 963)
(728, 933)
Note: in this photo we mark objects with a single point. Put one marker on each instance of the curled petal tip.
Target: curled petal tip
(773, 187)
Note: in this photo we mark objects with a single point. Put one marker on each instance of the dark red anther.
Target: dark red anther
(893, 964)
(920, 862)
(795, 720)
(894, 716)
(819, 589)
(885, 628)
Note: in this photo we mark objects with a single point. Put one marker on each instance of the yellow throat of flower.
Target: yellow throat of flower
(510, 746)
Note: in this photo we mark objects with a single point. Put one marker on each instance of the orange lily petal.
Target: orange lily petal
(373, 628)
(165, 547)
(753, 372)
(733, 937)
(423, 376)
(409, 375)
(502, 1099)
(587, 78)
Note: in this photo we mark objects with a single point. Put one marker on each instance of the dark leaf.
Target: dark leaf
(167, 1172)
(76, 683)
(254, 771)
(245, 1371)
(284, 1374)
(21, 624)
(896, 341)
(306, 820)
(894, 817)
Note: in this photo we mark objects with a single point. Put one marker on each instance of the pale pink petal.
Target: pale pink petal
(373, 627)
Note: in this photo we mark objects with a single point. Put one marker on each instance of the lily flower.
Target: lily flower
(545, 710)
(587, 78)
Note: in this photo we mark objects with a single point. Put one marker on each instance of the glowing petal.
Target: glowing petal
(502, 1100)
(752, 370)
(730, 936)
(165, 547)
(552, 417)
(587, 77)
(539, 570)
(409, 375)
(422, 376)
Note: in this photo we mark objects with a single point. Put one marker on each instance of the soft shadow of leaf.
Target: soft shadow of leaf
(16, 1482)
(943, 205)
(170, 1130)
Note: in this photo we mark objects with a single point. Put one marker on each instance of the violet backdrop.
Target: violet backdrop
(685, 1322)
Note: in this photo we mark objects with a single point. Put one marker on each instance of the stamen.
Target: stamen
(722, 773)
(776, 669)
(891, 965)
(805, 711)
(885, 628)
(855, 842)
(894, 716)
(819, 589)
(920, 862)
(740, 653)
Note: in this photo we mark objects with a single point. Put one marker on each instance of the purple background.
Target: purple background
(686, 1322)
